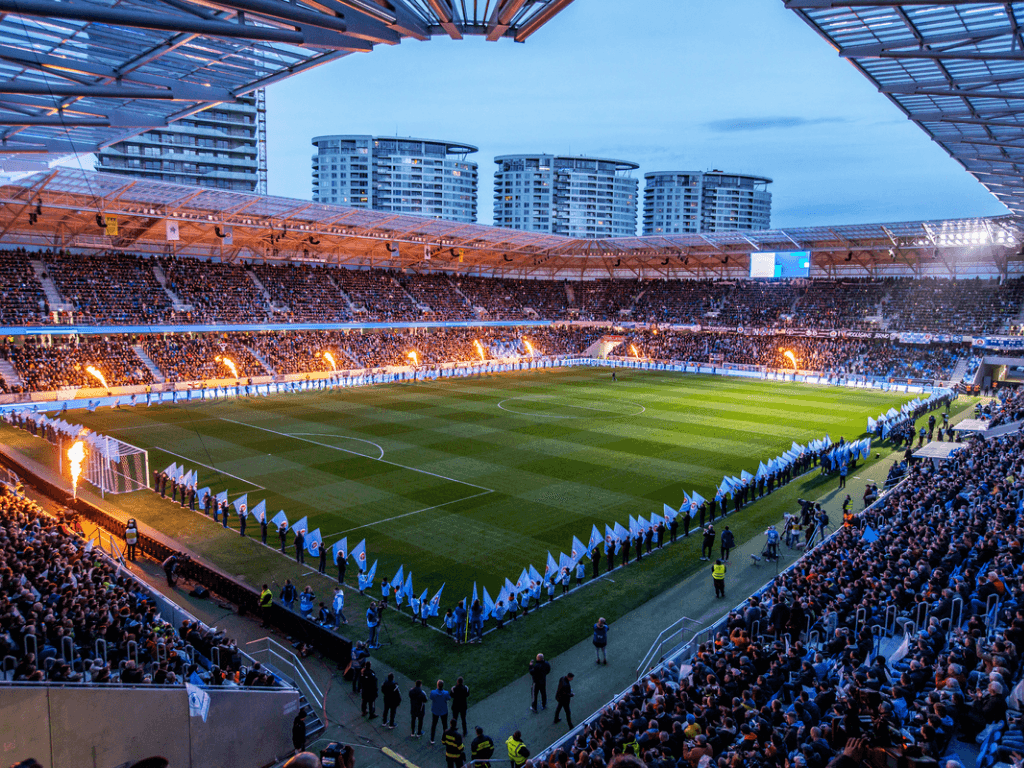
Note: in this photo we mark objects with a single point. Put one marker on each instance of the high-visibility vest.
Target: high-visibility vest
(131, 535)
(266, 598)
(515, 751)
(718, 572)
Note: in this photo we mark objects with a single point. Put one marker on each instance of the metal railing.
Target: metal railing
(275, 656)
(660, 641)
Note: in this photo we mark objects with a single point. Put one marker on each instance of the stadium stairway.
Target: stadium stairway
(262, 361)
(478, 312)
(9, 374)
(267, 298)
(345, 296)
(54, 300)
(176, 301)
(158, 376)
(961, 368)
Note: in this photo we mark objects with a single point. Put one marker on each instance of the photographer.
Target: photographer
(373, 619)
(772, 549)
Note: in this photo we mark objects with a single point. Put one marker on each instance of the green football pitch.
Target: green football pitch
(472, 480)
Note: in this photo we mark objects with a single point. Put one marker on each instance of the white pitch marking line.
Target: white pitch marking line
(343, 437)
(220, 471)
(406, 514)
(361, 455)
(643, 409)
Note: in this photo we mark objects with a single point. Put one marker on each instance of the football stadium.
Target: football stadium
(358, 480)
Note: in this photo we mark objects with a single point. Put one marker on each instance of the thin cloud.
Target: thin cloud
(737, 124)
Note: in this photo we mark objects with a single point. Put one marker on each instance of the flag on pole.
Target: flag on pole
(280, 519)
(407, 587)
(670, 514)
(240, 502)
(366, 579)
(222, 497)
(595, 539)
(435, 602)
(488, 604)
(339, 551)
(301, 525)
(396, 583)
(578, 551)
(358, 554)
(313, 542)
(869, 535)
(259, 511)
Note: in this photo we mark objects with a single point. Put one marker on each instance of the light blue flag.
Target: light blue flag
(609, 540)
(313, 542)
(339, 551)
(564, 561)
(435, 602)
(698, 499)
(407, 586)
(827, 439)
(724, 489)
(202, 492)
(280, 519)
(746, 476)
(644, 525)
(396, 582)
(172, 471)
(424, 603)
(534, 575)
(670, 514)
(633, 526)
(578, 551)
(796, 448)
(240, 502)
(488, 604)
(871, 424)
(762, 470)
(222, 497)
(91, 406)
(259, 511)
(657, 520)
(869, 535)
(620, 533)
(366, 579)
(550, 568)
(359, 555)
(301, 525)
(595, 539)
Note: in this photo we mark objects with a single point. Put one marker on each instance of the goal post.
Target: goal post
(114, 466)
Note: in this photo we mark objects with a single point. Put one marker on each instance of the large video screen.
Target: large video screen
(781, 265)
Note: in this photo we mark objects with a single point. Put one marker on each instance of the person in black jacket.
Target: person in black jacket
(299, 731)
(563, 695)
(728, 542)
(481, 749)
(460, 703)
(417, 708)
(539, 670)
(369, 689)
(392, 698)
(454, 746)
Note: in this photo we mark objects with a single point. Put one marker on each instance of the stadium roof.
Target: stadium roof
(955, 69)
(74, 209)
(79, 76)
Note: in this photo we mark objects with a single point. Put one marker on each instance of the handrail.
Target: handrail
(658, 643)
(275, 650)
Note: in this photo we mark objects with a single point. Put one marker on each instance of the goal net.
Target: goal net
(115, 466)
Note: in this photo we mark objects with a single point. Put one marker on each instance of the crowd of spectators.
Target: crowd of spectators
(436, 292)
(845, 356)
(217, 292)
(795, 677)
(928, 304)
(309, 292)
(843, 304)
(44, 367)
(109, 287)
(68, 614)
(22, 300)
(376, 295)
(193, 357)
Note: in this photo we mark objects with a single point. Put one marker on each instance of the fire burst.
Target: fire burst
(529, 347)
(229, 363)
(791, 357)
(330, 359)
(633, 349)
(414, 357)
(480, 349)
(95, 372)
(76, 455)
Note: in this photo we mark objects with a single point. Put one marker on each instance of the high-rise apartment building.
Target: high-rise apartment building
(422, 177)
(682, 202)
(573, 196)
(223, 147)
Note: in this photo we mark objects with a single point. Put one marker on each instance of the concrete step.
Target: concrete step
(345, 296)
(262, 361)
(275, 306)
(140, 352)
(10, 374)
(54, 300)
(176, 301)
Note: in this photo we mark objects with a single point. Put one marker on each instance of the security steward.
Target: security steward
(517, 751)
(454, 748)
(266, 602)
(718, 576)
(131, 538)
(482, 748)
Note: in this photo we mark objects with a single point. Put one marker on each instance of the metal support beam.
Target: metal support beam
(550, 11)
(62, 89)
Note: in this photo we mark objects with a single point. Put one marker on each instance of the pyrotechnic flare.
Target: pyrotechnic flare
(414, 357)
(480, 349)
(633, 349)
(330, 359)
(76, 455)
(93, 371)
(529, 347)
(792, 358)
(229, 363)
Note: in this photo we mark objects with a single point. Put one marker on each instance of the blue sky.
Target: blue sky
(737, 85)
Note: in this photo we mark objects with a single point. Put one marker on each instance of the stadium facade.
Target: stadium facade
(421, 177)
(587, 197)
(221, 147)
(691, 202)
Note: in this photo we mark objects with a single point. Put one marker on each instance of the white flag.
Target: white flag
(198, 701)
(172, 230)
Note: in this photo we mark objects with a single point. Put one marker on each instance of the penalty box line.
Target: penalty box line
(361, 455)
(207, 466)
(406, 514)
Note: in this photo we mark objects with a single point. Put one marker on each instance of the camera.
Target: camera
(334, 755)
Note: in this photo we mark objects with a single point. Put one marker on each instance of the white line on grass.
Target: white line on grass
(221, 471)
(406, 514)
(343, 437)
(361, 455)
(643, 409)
